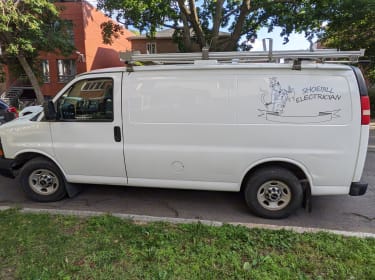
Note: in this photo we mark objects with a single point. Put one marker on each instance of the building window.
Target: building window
(45, 71)
(66, 27)
(151, 48)
(66, 70)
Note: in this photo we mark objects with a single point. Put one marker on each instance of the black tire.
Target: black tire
(273, 193)
(42, 180)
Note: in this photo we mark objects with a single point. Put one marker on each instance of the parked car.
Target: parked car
(7, 113)
(30, 110)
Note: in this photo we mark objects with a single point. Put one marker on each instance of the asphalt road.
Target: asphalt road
(330, 212)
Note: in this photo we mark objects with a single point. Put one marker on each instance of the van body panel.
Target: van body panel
(184, 184)
(330, 190)
(266, 161)
(23, 136)
(211, 126)
(362, 150)
(97, 180)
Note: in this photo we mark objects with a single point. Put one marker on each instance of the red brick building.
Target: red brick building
(161, 43)
(90, 52)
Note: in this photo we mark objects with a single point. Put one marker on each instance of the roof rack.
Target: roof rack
(132, 57)
(322, 55)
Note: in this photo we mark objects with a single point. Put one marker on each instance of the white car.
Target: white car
(30, 110)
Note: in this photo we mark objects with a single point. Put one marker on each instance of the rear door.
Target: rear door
(87, 138)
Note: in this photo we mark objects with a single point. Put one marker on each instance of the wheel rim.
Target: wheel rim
(44, 182)
(274, 195)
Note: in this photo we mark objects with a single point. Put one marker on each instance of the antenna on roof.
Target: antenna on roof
(270, 47)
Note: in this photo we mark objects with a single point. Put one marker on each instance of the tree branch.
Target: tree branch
(33, 80)
(183, 8)
(192, 17)
(216, 23)
(186, 32)
(258, 5)
(236, 34)
(172, 26)
(231, 13)
(194, 20)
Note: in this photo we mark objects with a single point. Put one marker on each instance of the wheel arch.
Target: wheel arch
(25, 156)
(296, 168)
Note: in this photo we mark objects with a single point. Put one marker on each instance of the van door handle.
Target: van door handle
(117, 132)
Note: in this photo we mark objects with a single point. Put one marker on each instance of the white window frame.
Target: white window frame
(65, 75)
(151, 48)
(46, 71)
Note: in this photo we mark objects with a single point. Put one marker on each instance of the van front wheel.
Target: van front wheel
(273, 193)
(42, 181)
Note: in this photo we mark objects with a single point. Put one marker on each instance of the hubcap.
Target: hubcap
(274, 195)
(44, 182)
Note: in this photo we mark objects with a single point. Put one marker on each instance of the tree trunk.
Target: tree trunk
(34, 81)
(186, 33)
(216, 24)
(194, 20)
(230, 45)
(192, 17)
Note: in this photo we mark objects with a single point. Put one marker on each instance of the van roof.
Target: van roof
(219, 66)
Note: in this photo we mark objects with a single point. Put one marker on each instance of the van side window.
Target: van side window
(87, 100)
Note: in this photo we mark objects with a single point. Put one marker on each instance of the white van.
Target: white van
(278, 135)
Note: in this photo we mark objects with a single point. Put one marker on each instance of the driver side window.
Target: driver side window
(87, 100)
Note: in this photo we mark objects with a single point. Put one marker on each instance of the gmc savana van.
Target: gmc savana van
(275, 133)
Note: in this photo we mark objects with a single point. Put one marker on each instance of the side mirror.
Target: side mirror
(49, 111)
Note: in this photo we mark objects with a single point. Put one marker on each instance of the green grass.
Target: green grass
(42, 246)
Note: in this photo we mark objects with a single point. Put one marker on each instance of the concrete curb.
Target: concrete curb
(150, 219)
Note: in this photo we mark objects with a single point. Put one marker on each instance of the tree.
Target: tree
(200, 21)
(27, 27)
(352, 27)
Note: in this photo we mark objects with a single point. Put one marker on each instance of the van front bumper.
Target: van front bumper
(6, 169)
(357, 188)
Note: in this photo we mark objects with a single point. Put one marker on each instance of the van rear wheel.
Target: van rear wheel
(273, 193)
(42, 180)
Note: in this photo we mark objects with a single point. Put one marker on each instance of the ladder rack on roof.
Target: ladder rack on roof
(256, 56)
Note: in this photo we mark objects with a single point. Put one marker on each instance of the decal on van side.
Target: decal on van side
(276, 99)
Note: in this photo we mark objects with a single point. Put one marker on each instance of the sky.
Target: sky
(296, 41)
